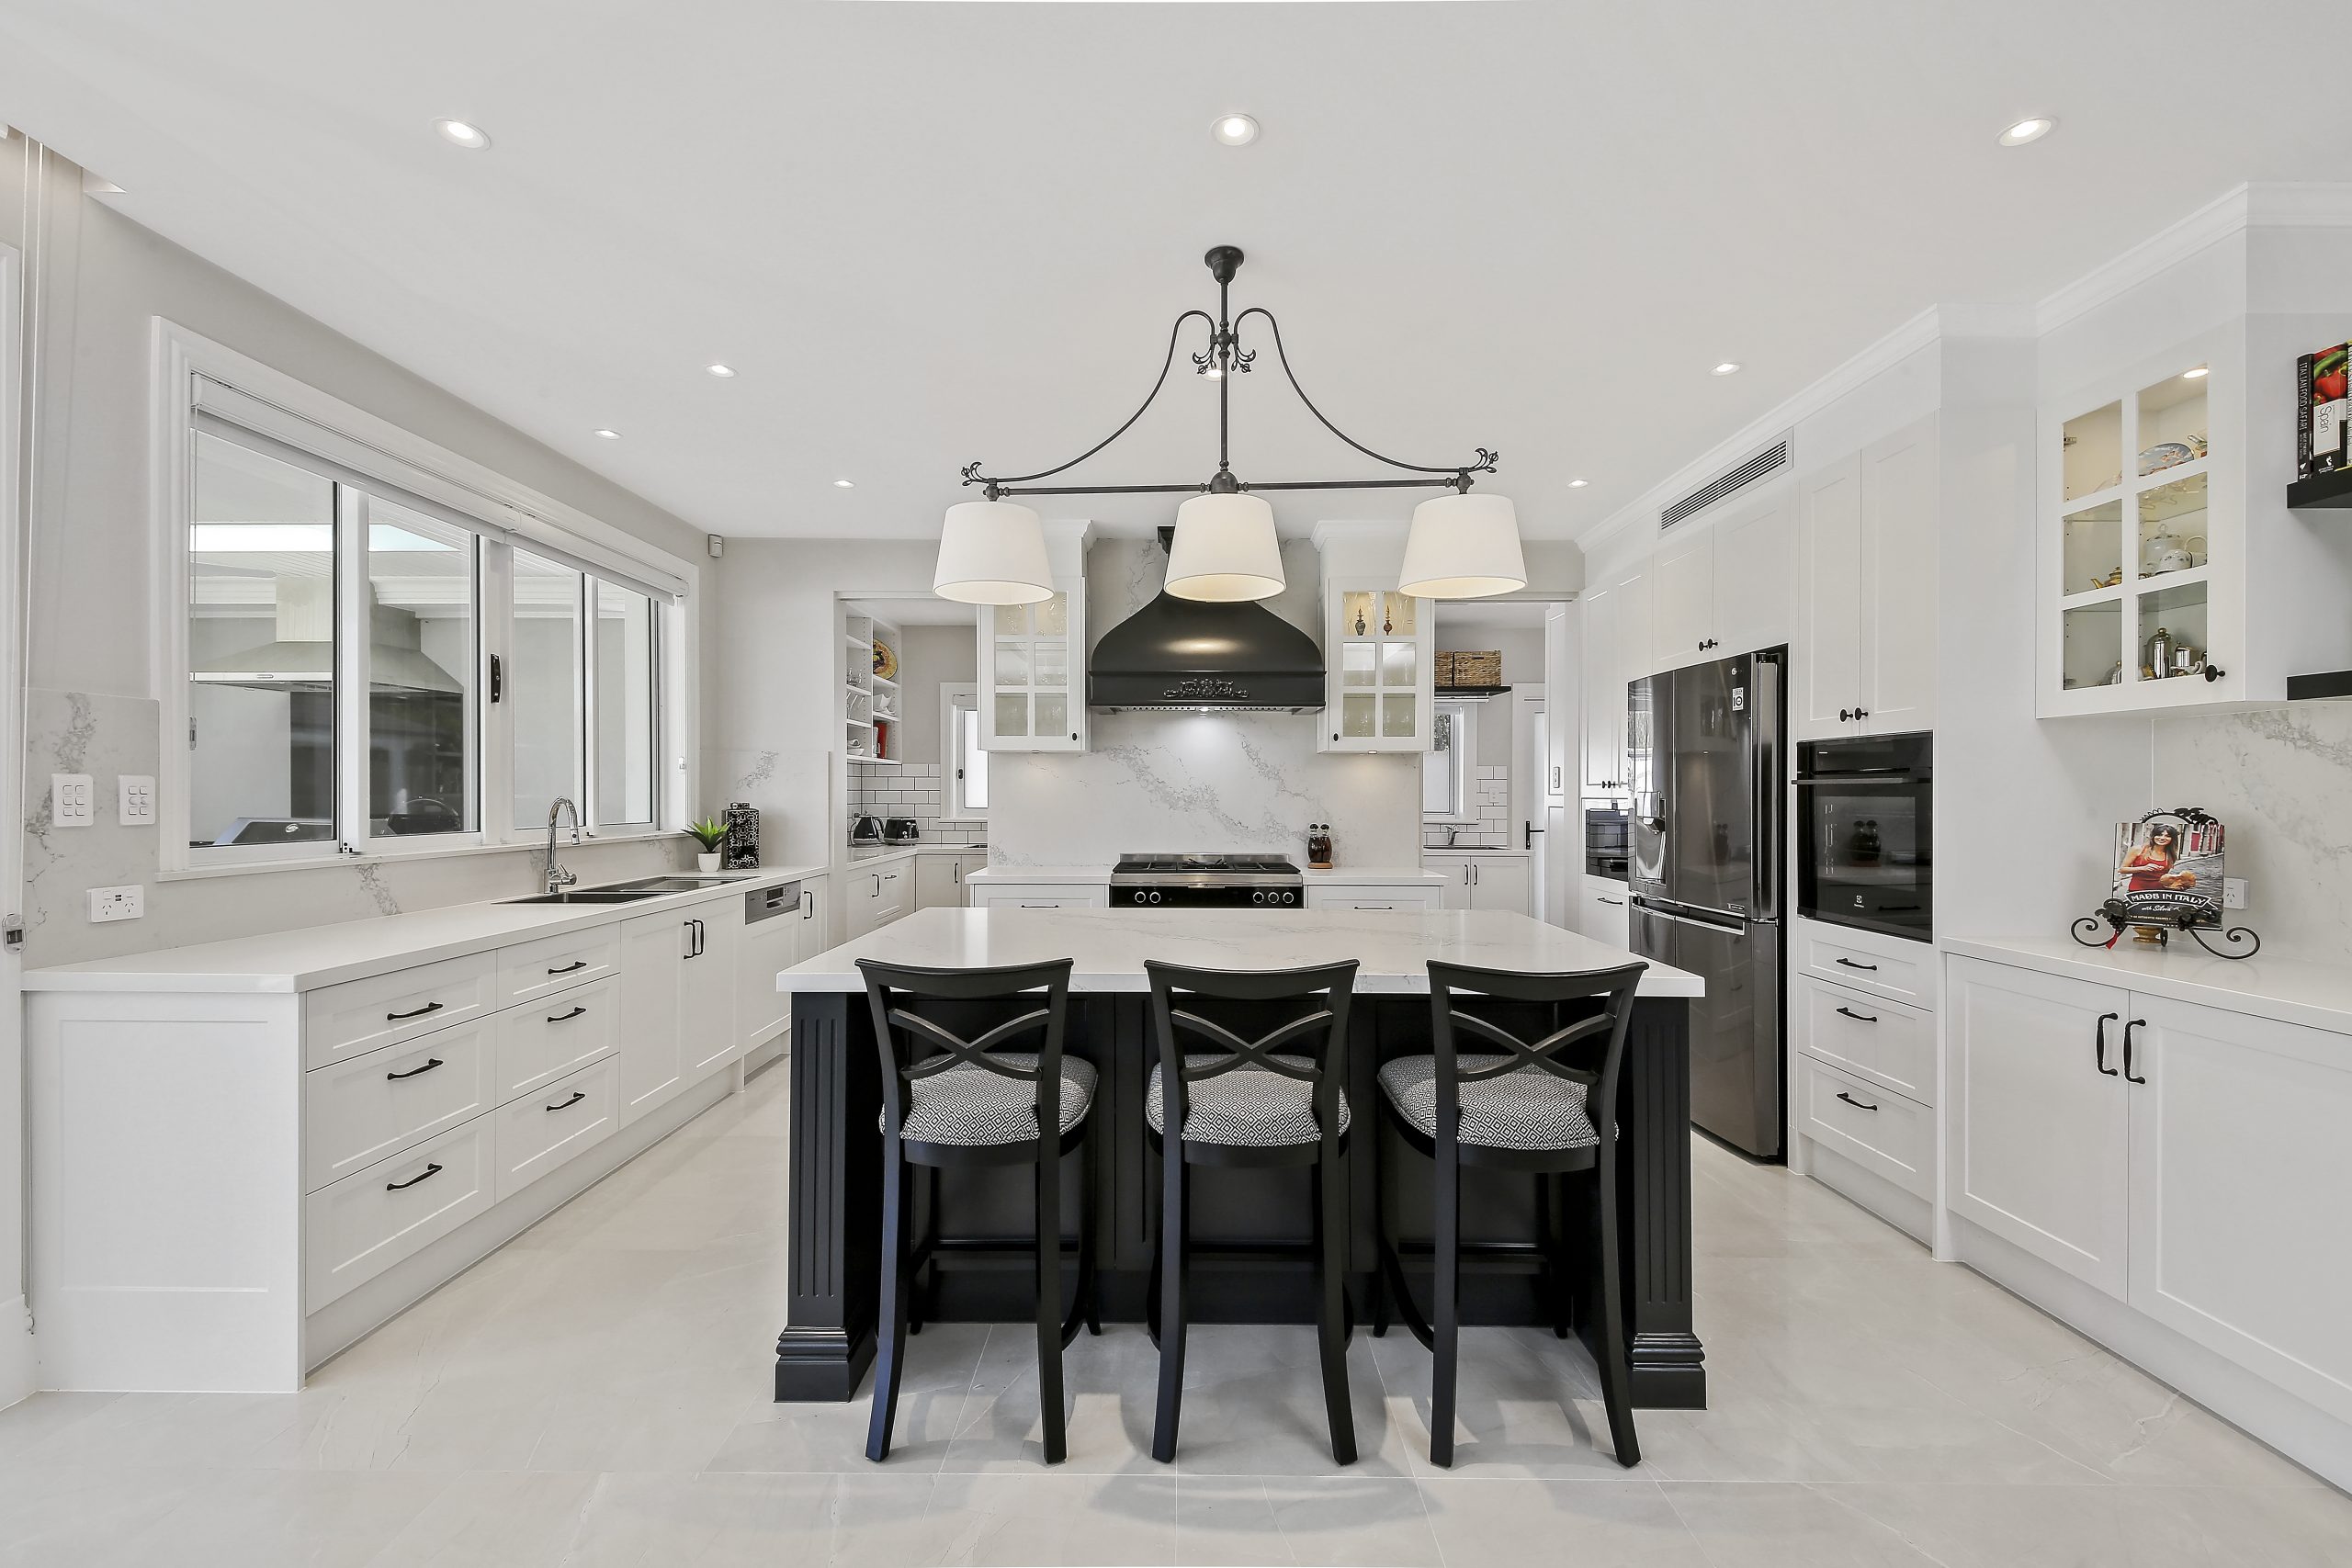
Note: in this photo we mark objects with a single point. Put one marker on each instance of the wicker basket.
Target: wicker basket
(1470, 669)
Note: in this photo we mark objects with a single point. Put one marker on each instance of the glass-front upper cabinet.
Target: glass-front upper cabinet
(1032, 687)
(1380, 664)
(2142, 535)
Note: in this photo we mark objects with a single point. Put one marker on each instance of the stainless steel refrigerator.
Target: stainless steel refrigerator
(1704, 749)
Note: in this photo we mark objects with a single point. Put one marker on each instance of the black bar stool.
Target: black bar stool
(958, 1103)
(1526, 1107)
(1271, 1102)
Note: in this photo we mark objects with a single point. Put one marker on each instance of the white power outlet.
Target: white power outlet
(110, 904)
(2234, 893)
(73, 802)
(136, 804)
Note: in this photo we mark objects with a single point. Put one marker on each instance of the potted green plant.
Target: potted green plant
(710, 832)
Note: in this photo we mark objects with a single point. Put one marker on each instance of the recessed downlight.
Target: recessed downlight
(1728, 367)
(1577, 484)
(608, 435)
(844, 484)
(1235, 129)
(462, 133)
(2196, 375)
(2026, 131)
(724, 372)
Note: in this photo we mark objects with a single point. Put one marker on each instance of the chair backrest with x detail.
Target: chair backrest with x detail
(1319, 1037)
(930, 1047)
(1613, 988)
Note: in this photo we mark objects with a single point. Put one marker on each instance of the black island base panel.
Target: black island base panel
(1250, 1228)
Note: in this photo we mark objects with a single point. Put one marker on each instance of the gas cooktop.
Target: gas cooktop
(1206, 879)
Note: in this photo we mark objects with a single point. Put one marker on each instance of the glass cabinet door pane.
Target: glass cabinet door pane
(1012, 665)
(2094, 451)
(1360, 613)
(1355, 663)
(1012, 620)
(1359, 716)
(1398, 663)
(2172, 423)
(1398, 613)
(2093, 653)
(2172, 632)
(1053, 665)
(1013, 714)
(1397, 711)
(1053, 717)
(2094, 548)
(1051, 615)
(2172, 526)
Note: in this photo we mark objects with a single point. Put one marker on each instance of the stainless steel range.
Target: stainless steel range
(1197, 881)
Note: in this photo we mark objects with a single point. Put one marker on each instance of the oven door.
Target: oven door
(1865, 853)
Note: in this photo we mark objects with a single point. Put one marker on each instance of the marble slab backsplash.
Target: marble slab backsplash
(2280, 780)
(83, 732)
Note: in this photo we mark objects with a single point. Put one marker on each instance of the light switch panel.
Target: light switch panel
(136, 805)
(72, 801)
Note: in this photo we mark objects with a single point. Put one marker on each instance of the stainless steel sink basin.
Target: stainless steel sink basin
(685, 882)
(592, 895)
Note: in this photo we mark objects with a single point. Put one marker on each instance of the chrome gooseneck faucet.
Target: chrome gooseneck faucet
(558, 877)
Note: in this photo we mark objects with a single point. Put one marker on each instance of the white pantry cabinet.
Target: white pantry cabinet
(1866, 565)
(1618, 616)
(1723, 587)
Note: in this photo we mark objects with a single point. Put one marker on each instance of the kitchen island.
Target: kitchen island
(836, 1146)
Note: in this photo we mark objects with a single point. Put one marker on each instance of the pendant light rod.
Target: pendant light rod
(1223, 359)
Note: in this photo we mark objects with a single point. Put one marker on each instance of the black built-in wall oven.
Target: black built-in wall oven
(1865, 836)
(1607, 843)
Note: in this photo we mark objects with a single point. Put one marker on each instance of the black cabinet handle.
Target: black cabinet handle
(430, 1063)
(420, 1012)
(1851, 965)
(2214, 673)
(1857, 1017)
(576, 965)
(2104, 1019)
(2129, 1030)
(1861, 713)
(1855, 1103)
(577, 1096)
(567, 1017)
(1844, 715)
(434, 1169)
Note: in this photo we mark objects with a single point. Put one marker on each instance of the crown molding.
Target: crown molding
(2216, 221)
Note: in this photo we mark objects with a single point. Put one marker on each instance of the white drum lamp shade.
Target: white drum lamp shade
(1225, 549)
(1462, 547)
(992, 552)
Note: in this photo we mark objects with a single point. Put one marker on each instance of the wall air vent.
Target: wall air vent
(1768, 461)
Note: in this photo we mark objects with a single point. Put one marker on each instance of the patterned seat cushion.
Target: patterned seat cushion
(1528, 1108)
(1246, 1108)
(975, 1107)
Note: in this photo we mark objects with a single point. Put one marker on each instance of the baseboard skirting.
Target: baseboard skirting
(2265, 1412)
(1907, 1211)
(343, 1322)
(19, 1356)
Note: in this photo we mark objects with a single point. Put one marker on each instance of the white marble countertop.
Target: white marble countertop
(867, 854)
(1109, 946)
(1342, 875)
(2291, 990)
(1474, 849)
(353, 950)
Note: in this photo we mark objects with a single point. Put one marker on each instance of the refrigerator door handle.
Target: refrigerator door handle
(1771, 795)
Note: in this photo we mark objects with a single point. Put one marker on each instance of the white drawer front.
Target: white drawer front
(361, 1015)
(369, 1107)
(1055, 895)
(1877, 1129)
(371, 1220)
(1883, 1041)
(539, 1132)
(540, 1041)
(557, 963)
(1414, 898)
(1887, 966)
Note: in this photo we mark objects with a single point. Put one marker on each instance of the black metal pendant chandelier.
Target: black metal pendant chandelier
(1461, 545)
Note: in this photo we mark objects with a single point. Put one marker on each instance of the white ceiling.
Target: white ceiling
(931, 233)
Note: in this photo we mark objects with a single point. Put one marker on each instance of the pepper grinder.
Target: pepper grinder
(1319, 846)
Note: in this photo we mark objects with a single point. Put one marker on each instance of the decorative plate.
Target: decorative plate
(886, 661)
(2165, 455)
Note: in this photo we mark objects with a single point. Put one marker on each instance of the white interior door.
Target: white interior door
(17, 1365)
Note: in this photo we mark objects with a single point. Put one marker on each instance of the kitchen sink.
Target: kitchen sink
(593, 895)
(687, 883)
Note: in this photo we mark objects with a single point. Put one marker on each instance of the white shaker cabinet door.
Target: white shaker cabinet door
(1686, 599)
(2241, 1238)
(1898, 600)
(1827, 685)
(654, 955)
(1752, 550)
(2042, 1125)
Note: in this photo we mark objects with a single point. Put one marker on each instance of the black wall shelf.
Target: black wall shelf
(2322, 490)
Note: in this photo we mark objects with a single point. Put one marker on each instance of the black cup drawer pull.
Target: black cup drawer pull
(430, 1063)
(573, 968)
(1851, 965)
(419, 1012)
(577, 1096)
(567, 1017)
(1855, 1103)
(433, 1169)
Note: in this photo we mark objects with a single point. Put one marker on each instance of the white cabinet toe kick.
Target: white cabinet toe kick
(235, 1176)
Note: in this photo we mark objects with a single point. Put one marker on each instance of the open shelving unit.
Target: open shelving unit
(873, 710)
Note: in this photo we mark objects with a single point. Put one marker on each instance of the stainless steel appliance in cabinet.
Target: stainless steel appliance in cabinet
(1703, 748)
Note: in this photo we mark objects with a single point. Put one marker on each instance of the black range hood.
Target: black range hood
(1189, 654)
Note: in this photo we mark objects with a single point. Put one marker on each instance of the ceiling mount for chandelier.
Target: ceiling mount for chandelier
(1461, 545)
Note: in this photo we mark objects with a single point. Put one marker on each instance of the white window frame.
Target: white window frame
(951, 750)
(1463, 754)
(506, 511)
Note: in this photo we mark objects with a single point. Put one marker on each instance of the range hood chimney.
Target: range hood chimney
(1193, 653)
